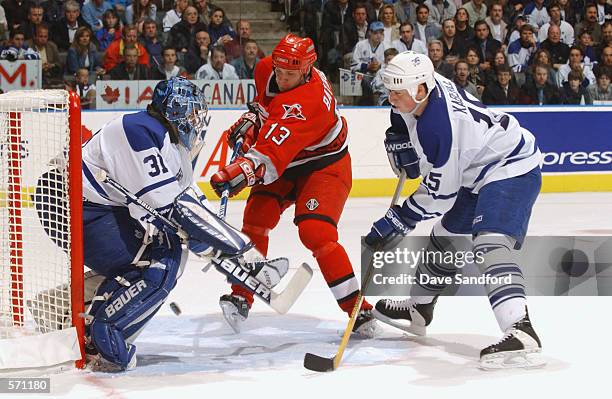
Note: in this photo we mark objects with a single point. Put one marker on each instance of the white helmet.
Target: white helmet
(408, 70)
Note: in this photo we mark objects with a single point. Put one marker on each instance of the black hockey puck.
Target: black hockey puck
(175, 308)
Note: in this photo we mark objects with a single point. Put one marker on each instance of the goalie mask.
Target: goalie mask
(183, 105)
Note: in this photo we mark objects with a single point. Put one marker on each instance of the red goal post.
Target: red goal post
(41, 239)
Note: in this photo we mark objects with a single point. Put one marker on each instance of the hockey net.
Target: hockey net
(41, 265)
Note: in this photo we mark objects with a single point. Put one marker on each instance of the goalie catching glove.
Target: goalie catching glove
(227, 248)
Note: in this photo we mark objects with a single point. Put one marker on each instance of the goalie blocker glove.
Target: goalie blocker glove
(236, 176)
(389, 227)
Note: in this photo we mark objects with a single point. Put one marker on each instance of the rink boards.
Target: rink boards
(576, 143)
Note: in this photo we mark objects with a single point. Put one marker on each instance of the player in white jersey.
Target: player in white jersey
(135, 258)
(481, 175)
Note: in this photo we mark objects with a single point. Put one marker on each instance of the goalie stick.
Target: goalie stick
(318, 363)
(281, 302)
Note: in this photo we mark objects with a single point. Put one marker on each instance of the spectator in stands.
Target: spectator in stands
(453, 49)
(476, 75)
(35, 18)
(85, 91)
(64, 30)
(93, 12)
(606, 59)
(374, 10)
(234, 48)
(217, 69)
(335, 12)
(16, 12)
(604, 11)
(53, 10)
(82, 53)
(220, 32)
(168, 68)
(590, 23)
(17, 49)
(391, 25)
(49, 55)
(205, 9)
(407, 41)
(559, 52)
(129, 68)
(174, 16)
(539, 91)
(515, 33)
(353, 30)
(575, 63)
(567, 31)
(542, 58)
(485, 44)
(436, 54)
(568, 13)
(111, 29)
(368, 55)
(405, 10)
(114, 53)
(441, 10)
(585, 42)
(476, 10)
(151, 43)
(462, 73)
(463, 30)
(601, 92)
(573, 92)
(503, 91)
(606, 39)
(536, 14)
(198, 53)
(496, 23)
(139, 11)
(3, 25)
(522, 50)
(424, 29)
(182, 34)
(245, 65)
(378, 87)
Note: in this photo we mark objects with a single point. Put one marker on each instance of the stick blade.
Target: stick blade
(317, 363)
(282, 302)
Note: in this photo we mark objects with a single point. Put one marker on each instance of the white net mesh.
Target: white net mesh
(34, 213)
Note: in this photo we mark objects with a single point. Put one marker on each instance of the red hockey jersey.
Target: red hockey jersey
(300, 130)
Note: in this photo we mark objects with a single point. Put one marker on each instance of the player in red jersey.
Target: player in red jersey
(295, 153)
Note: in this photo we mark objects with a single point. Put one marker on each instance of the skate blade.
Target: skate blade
(231, 316)
(407, 326)
(525, 359)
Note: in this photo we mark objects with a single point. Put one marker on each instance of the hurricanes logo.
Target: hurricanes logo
(312, 204)
(293, 111)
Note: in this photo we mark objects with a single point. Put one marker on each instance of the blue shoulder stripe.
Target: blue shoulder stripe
(143, 131)
(435, 131)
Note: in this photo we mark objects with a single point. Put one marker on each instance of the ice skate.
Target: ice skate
(405, 314)
(365, 325)
(235, 310)
(520, 347)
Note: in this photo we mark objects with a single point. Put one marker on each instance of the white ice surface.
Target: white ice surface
(197, 355)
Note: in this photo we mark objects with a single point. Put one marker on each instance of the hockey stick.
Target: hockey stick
(281, 302)
(226, 190)
(318, 363)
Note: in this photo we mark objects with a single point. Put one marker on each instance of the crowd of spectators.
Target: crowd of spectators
(79, 42)
(504, 52)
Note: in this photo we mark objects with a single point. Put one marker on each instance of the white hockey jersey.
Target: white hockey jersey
(135, 150)
(461, 143)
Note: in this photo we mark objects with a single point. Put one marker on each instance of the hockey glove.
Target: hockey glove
(389, 227)
(245, 128)
(402, 154)
(236, 176)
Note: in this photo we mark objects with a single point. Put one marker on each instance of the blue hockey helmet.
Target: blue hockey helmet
(182, 103)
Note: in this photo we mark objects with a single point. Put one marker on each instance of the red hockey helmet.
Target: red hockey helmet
(294, 52)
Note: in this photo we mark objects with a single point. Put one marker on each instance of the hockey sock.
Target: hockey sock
(507, 292)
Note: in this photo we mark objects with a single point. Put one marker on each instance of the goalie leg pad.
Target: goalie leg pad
(123, 306)
(207, 232)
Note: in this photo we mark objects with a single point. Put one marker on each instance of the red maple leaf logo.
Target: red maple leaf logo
(110, 95)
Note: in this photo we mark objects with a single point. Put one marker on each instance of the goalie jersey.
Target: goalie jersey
(135, 150)
(461, 143)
